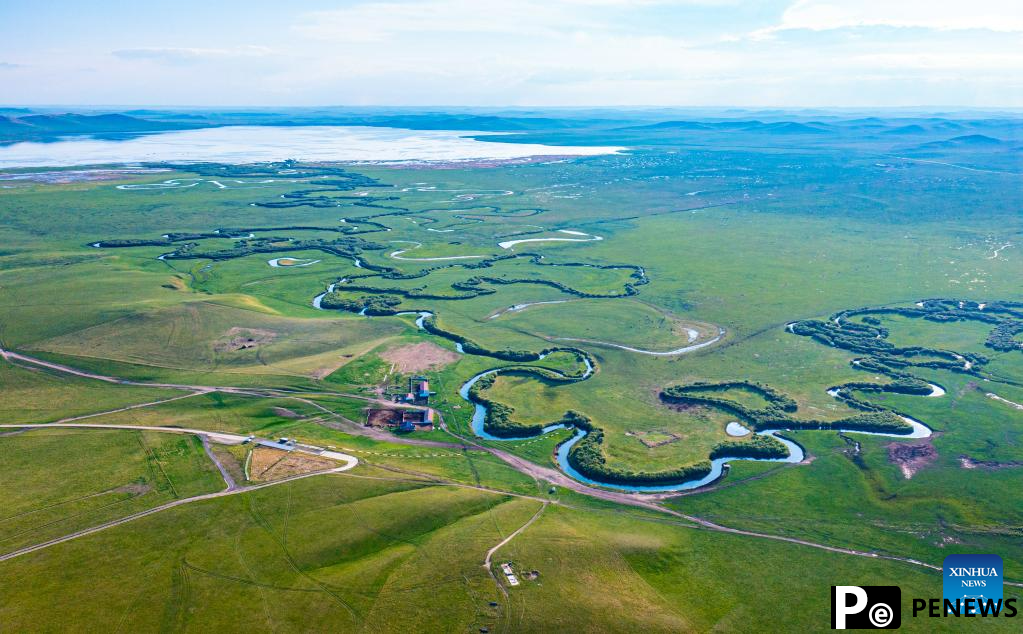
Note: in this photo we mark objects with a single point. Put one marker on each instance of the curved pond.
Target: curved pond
(589, 238)
(737, 429)
(289, 263)
(666, 353)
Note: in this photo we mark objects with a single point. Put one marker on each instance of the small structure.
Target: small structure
(417, 419)
(283, 446)
(418, 391)
(510, 574)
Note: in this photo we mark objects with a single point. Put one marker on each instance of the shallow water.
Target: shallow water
(507, 244)
(736, 429)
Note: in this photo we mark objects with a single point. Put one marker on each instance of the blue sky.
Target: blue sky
(786, 53)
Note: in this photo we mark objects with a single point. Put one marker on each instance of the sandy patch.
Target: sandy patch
(243, 339)
(274, 464)
(419, 357)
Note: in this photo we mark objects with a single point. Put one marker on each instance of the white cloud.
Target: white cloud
(187, 55)
(954, 61)
(384, 19)
(559, 52)
(942, 15)
(376, 21)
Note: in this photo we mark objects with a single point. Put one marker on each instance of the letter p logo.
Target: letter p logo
(846, 600)
(866, 607)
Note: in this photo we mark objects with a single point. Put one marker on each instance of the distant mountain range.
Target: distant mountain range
(775, 127)
(46, 127)
(976, 142)
(921, 135)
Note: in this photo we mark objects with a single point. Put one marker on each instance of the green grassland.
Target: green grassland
(634, 323)
(772, 258)
(217, 412)
(207, 336)
(57, 481)
(751, 255)
(372, 555)
(38, 396)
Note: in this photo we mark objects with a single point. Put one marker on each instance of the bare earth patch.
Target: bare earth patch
(912, 457)
(135, 488)
(243, 339)
(382, 417)
(419, 357)
(175, 284)
(273, 464)
(653, 439)
(284, 412)
(64, 177)
(967, 462)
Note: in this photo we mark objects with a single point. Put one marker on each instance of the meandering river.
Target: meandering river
(796, 453)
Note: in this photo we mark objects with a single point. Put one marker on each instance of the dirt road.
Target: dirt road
(162, 507)
(222, 438)
(228, 480)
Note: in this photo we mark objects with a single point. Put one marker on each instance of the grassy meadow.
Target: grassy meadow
(737, 240)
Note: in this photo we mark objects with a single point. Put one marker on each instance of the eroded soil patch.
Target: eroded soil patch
(419, 357)
(273, 464)
(912, 457)
(243, 339)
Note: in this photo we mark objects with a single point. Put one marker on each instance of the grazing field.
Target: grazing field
(820, 292)
(32, 395)
(57, 481)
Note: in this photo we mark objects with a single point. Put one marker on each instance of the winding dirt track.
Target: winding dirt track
(490, 553)
(162, 507)
(647, 501)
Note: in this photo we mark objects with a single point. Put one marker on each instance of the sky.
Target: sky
(761, 53)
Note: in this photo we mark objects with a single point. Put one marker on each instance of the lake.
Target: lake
(252, 144)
